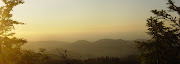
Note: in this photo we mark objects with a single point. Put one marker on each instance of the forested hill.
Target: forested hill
(86, 49)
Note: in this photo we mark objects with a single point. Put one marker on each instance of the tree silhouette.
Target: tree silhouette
(9, 44)
(163, 47)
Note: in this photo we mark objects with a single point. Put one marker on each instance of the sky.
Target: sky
(71, 20)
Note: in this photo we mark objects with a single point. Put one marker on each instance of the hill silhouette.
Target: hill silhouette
(87, 49)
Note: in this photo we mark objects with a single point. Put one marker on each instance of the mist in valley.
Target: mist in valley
(84, 49)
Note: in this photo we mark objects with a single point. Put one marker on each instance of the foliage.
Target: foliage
(132, 59)
(164, 44)
(9, 45)
(64, 56)
(30, 57)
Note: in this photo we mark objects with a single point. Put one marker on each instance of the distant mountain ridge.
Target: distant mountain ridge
(87, 49)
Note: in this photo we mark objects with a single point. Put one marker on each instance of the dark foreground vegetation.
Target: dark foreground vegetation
(101, 60)
(162, 48)
(30, 57)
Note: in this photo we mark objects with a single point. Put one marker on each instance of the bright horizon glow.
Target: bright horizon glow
(69, 20)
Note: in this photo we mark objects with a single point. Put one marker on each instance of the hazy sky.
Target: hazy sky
(69, 20)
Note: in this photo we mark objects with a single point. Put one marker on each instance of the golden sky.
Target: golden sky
(69, 20)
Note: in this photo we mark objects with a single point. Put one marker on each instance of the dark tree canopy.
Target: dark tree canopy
(164, 29)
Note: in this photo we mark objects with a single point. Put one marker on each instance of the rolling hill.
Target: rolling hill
(86, 49)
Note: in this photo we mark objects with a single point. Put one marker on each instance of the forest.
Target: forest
(162, 48)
